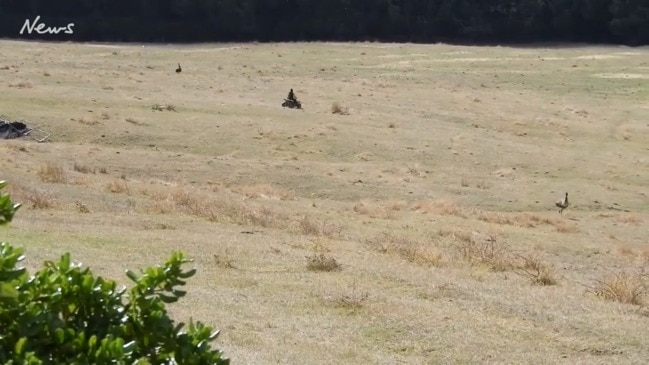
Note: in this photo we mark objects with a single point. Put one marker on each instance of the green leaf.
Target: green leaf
(118, 345)
(92, 342)
(59, 334)
(131, 275)
(129, 347)
(7, 275)
(7, 207)
(179, 293)
(179, 327)
(7, 291)
(87, 283)
(19, 349)
(187, 274)
(167, 298)
(64, 264)
(214, 335)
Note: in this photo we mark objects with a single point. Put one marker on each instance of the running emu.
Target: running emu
(291, 101)
(563, 204)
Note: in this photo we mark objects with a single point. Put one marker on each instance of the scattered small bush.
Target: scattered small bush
(364, 156)
(222, 208)
(624, 288)
(362, 209)
(88, 121)
(248, 214)
(309, 226)
(482, 185)
(322, 262)
(134, 121)
(422, 255)
(526, 220)
(567, 228)
(414, 170)
(332, 127)
(39, 199)
(159, 107)
(375, 211)
(265, 191)
(625, 249)
(224, 261)
(82, 208)
(630, 219)
(52, 173)
(352, 302)
(83, 169)
(415, 251)
(439, 207)
(117, 187)
(538, 272)
(337, 108)
(16, 147)
(487, 251)
(22, 85)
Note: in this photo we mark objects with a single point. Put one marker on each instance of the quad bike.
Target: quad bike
(293, 104)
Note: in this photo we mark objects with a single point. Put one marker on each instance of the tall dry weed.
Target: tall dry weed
(265, 191)
(422, 252)
(52, 173)
(481, 249)
(310, 226)
(438, 207)
(624, 287)
(537, 271)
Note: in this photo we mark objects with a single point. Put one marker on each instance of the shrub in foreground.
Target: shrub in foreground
(64, 314)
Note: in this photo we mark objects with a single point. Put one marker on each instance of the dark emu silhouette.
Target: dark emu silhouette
(291, 101)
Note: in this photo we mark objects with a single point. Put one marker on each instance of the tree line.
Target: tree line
(425, 21)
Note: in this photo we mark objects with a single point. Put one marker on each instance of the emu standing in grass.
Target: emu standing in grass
(563, 204)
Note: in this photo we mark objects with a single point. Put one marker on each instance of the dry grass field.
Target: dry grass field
(405, 216)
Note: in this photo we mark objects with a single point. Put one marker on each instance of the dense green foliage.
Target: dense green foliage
(66, 315)
(617, 21)
(7, 207)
